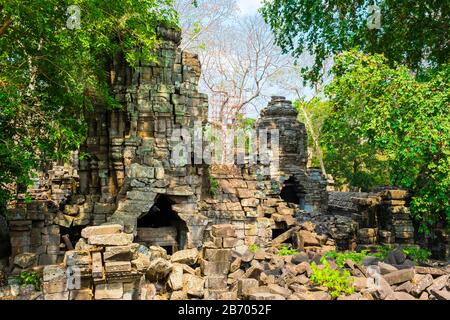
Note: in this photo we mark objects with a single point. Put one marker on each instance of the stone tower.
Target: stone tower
(301, 185)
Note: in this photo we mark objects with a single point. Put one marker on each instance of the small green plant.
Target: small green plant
(381, 251)
(285, 250)
(253, 248)
(337, 281)
(213, 186)
(341, 257)
(27, 277)
(417, 254)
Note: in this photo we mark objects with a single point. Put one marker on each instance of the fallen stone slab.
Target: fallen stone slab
(119, 253)
(25, 260)
(117, 266)
(400, 295)
(430, 270)
(108, 291)
(279, 290)
(386, 268)
(159, 269)
(195, 286)
(119, 239)
(188, 256)
(441, 294)
(439, 283)
(399, 276)
(75, 258)
(101, 230)
(421, 282)
(265, 296)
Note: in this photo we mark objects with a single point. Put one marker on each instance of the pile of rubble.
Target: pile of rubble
(106, 264)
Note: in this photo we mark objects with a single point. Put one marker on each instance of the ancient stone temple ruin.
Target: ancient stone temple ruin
(125, 216)
(126, 174)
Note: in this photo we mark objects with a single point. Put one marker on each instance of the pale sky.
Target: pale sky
(249, 6)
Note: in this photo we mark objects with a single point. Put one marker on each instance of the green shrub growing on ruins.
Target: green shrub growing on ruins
(337, 281)
(417, 254)
(29, 277)
(213, 185)
(253, 247)
(341, 257)
(285, 250)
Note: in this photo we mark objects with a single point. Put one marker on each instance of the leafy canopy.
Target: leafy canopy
(386, 125)
(50, 71)
(411, 31)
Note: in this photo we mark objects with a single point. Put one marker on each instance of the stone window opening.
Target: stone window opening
(293, 192)
(162, 226)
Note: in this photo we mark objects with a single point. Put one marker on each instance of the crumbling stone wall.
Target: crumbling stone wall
(127, 167)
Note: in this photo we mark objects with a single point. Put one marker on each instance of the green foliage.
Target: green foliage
(28, 277)
(388, 128)
(50, 74)
(341, 257)
(411, 31)
(381, 252)
(337, 281)
(417, 254)
(285, 250)
(213, 185)
(316, 110)
(253, 247)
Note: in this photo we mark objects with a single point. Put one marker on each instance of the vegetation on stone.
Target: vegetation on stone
(337, 281)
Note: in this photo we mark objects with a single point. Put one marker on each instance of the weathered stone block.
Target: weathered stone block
(399, 276)
(75, 257)
(214, 268)
(25, 260)
(83, 294)
(216, 255)
(188, 256)
(101, 230)
(223, 230)
(117, 266)
(229, 242)
(195, 286)
(108, 291)
(119, 239)
(176, 277)
(118, 253)
(57, 296)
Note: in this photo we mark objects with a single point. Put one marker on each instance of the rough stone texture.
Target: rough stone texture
(188, 256)
(399, 276)
(121, 239)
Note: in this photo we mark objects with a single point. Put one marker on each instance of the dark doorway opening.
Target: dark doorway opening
(293, 192)
(162, 226)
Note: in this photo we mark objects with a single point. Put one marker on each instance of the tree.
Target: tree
(53, 59)
(313, 114)
(414, 33)
(203, 20)
(386, 126)
(239, 71)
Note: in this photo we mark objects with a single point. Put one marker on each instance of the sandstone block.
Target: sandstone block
(108, 291)
(119, 239)
(101, 230)
(399, 276)
(117, 266)
(188, 256)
